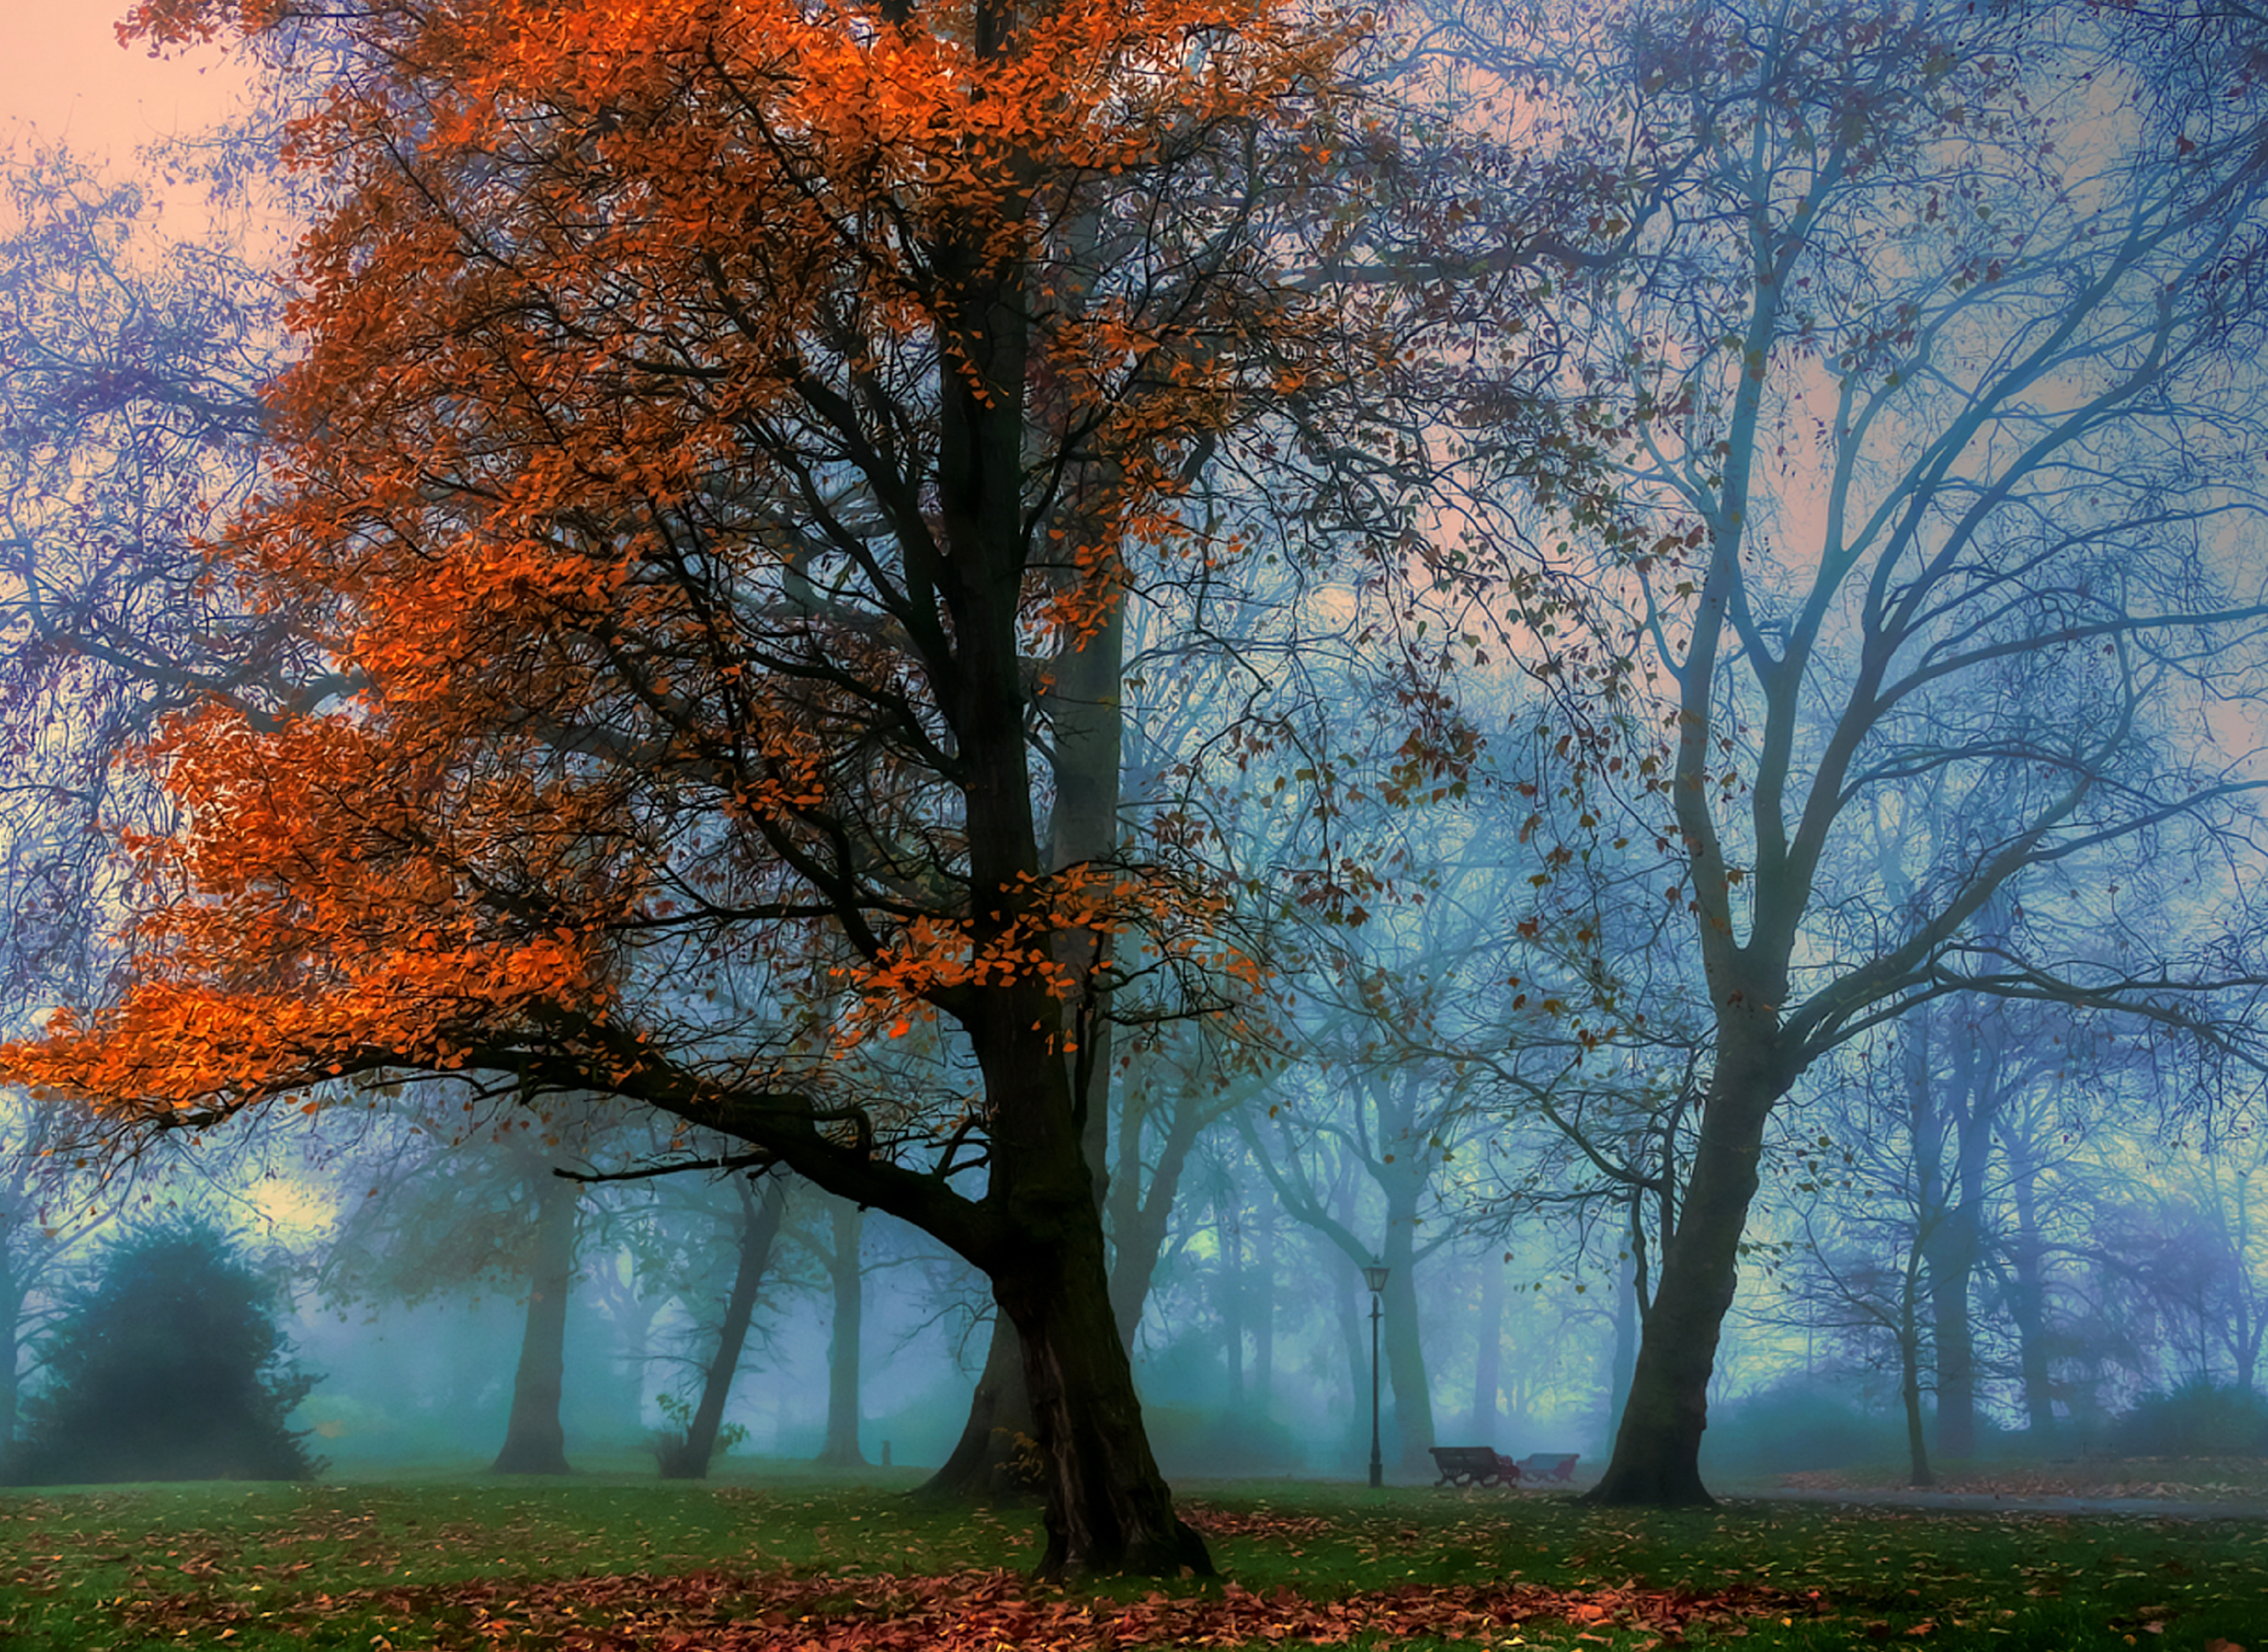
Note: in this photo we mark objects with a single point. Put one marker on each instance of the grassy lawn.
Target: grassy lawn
(621, 1561)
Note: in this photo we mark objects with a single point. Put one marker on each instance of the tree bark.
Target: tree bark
(1108, 1507)
(1229, 1292)
(1405, 1353)
(1910, 1389)
(1347, 1296)
(1261, 1298)
(10, 1351)
(1626, 1333)
(534, 1440)
(1140, 1210)
(689, 1458)
(1951, 1249)
(844, 1273)
(984, 1461)
(1954, 1218)
(1657, 1456)
(2028, 1290)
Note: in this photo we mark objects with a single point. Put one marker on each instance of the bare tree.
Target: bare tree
(1930, 393)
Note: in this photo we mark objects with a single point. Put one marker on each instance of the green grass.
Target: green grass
(617, 1561)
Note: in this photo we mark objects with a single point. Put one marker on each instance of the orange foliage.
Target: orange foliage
(708, 407)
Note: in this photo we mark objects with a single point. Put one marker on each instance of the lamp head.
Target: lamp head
(1374, 1276)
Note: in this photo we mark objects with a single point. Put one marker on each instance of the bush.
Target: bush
(1192, 1443)
(1793, 1427)
(168, 1367)
(2201, 1418)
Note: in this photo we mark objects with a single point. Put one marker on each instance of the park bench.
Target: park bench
(1473, 1465)
(1548, 1468)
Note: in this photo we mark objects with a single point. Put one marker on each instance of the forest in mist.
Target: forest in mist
(828, 729)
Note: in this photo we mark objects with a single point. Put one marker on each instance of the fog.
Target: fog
(1658, 798)
(1253, 1355)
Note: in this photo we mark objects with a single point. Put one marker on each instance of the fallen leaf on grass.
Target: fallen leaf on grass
(726, 1611)
(1259, 1523)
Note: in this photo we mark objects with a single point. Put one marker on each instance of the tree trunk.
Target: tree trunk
(1140, 1212)
(1626, 1330)
(533, 1441)
(1909, 1391)
(1261, 1298)
(1951, 1249)
(2027, 1294)
(1954, 1245)
(1488, 1354)
(689, 1458)
(1347, 1298)
(1657, 1456)
(1230, 1293)
(1000, 1436)
(841, 1450)
(12, 1292)
(2244, 1327)
(1000, 1441)
(1107, 1505)
(1405, 1353)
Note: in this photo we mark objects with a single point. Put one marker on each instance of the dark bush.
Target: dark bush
(1189, 1441)
(2201, 1418)
(168, 1367)
(1793, 1427)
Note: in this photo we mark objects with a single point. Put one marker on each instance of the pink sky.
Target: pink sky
(63, 74)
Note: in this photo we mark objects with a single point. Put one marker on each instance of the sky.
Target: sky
(63, 75)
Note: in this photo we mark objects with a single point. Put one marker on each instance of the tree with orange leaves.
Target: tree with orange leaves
(709, 411)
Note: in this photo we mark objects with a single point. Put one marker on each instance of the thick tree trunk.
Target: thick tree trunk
(1107, 1505)
(999, 1437)
(534, 1440)
(1109, 1509)
(1951, 1251)
(688, 1459)
(1405, 1356)
(1657, 1456)
(847, 1275)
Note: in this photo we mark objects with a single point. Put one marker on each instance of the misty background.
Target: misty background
(1986, 1224)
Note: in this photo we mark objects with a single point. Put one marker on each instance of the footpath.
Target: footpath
(2182, 1490)
(2241, 1507)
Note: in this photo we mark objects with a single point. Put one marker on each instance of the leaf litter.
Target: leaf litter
(724, 1611)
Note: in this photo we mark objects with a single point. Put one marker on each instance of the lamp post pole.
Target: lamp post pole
(1374, 1276)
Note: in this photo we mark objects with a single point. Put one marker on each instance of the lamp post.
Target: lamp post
(1374, 1276)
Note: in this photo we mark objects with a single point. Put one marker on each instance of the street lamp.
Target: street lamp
(1374, 1276)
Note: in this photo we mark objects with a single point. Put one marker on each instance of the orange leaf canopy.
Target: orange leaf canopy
(711, 413)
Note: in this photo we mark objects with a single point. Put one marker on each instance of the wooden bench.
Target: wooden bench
(1548, 1468)
(1473, 1465)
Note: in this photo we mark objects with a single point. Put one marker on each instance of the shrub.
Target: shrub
(169, 1366)
(1793, 1427)
(2201, 1418)
(1189, 1441)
